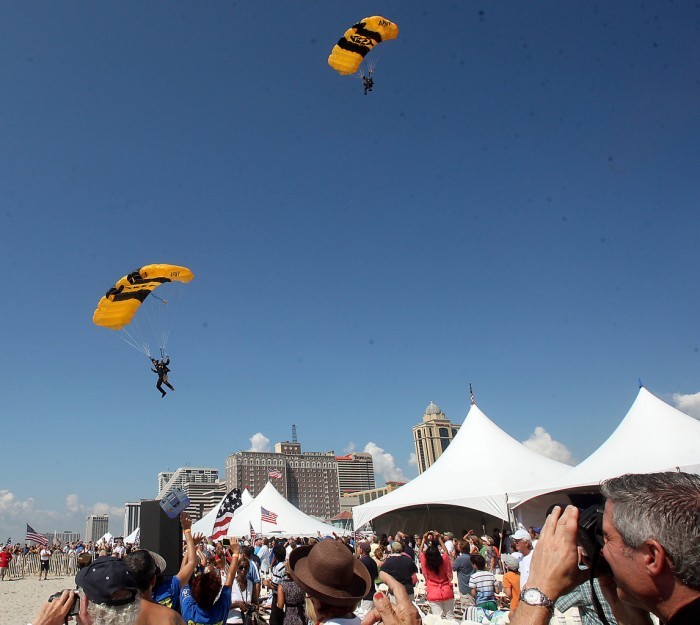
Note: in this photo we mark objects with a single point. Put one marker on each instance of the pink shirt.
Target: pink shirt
(438, 586)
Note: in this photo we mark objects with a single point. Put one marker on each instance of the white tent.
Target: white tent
(652, 437)
(290, 520)
(480, 466)
(134, 537)
(205, 525)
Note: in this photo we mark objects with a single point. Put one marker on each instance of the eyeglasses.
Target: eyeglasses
(243, 567)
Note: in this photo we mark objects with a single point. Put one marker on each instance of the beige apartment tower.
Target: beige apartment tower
(432, 437)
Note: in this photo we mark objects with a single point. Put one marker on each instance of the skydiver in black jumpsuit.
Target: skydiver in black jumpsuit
(368, 82)
(161, 368)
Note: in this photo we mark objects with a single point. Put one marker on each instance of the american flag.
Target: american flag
(37, 538)
(268, 516)
(471, 394)
(274, 473)
(225, 514)
(9, 542)
(252, 531)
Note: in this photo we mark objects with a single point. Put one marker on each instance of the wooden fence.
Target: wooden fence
(27, 565)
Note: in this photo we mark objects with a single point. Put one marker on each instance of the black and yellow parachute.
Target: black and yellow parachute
(119, 305)
(350, 51)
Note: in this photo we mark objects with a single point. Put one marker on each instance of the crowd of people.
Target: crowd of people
(651, 527)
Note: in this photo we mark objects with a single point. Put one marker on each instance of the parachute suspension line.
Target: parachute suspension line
(165, 301)
(133, 342)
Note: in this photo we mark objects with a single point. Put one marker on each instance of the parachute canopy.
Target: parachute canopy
(350, 51)
(120, 303)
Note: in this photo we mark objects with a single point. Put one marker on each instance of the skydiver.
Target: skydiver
(161, 368)
(368, 82)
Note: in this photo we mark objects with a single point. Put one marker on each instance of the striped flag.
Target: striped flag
(225, 514)
(268, 516)
(9, 542)
(275, 473)
(37, 538)
(471, 394)
(252, 531)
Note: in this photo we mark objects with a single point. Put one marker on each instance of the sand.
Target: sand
(20, 599)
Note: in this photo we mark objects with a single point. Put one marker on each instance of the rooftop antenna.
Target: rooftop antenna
(294, 433)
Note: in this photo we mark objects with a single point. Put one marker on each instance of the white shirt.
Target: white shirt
(524, 569)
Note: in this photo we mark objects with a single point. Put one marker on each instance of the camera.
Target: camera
(75, 606)
(590, 538)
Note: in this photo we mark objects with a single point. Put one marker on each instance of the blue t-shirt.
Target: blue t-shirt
(194, 615)
(168, 593)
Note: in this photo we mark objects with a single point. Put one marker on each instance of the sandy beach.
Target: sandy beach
(20, 599)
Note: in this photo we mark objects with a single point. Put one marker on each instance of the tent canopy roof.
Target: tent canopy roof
(466, 475)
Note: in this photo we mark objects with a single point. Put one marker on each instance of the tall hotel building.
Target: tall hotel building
(96, 526)
(432, 437)
(132, 517)
(355, 472)
(308, 480)
(167, 480)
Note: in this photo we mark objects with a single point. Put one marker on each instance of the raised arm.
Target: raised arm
(233, 566)
(189, 562)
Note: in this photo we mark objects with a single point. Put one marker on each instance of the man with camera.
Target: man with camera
(107, 594)
(651, 528)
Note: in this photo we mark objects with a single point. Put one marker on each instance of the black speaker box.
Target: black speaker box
(161, 534)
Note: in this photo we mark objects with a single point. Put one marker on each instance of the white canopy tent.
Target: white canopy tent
(290, 520)
(652, 437)
(480, 466)
(134, 537)
(205, 525)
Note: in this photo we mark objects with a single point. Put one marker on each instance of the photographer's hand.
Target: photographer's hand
(55, 612)
(401, 613)
(625, 614)
(554, 569)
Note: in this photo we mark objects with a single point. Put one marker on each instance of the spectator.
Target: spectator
(108, 594)
(463, 567)
(145, 566)
(523, 544)
(482, 584)
(205, 601)
(401, 568)
(363, 551)
(651, 527)
(333, 579)
(5, 557)
(437, 570)
(511, 580)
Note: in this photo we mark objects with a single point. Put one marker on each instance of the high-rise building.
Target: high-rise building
(66, 537)
(96, 526)
(355, 472)
(203, 497)
(167, 480)
(132, 517)
(308, 480)
(432, 437)
(349, 500)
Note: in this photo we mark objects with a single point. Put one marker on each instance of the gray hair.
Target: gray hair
(101, 614)
(664, 507)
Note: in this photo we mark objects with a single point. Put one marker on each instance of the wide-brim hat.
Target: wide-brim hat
(329, 572)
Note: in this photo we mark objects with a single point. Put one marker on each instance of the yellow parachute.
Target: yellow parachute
(117, 308)
(350, 51)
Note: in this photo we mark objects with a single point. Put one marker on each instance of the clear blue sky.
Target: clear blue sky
(515, 205)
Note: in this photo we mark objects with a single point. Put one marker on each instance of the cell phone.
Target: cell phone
(226, 542)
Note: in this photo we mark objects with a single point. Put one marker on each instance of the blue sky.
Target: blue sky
(514, 205)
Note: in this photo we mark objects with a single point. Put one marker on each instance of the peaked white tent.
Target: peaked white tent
(475, 473)
(290, 520)
(205, 525)
(652, 437)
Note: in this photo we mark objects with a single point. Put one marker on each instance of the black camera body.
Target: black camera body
(75, 606)
(590, 538)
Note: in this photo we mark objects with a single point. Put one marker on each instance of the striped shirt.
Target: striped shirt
(485, 584)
